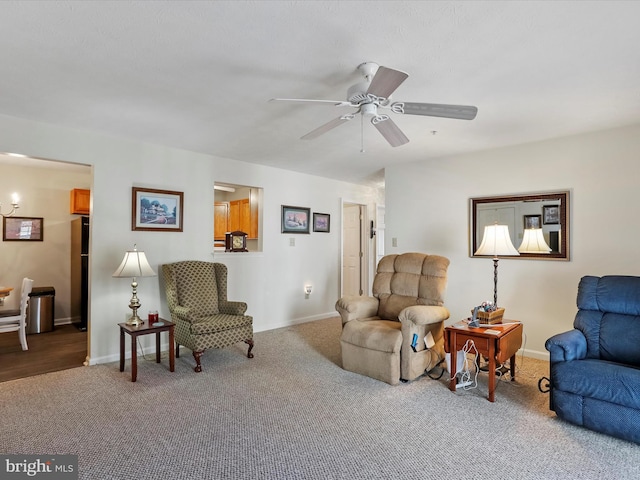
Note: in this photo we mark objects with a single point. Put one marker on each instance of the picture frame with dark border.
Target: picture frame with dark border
(321, 222)
(22, 229)
(156, 210)
(532, 221)
(295, 219)
(550, 214)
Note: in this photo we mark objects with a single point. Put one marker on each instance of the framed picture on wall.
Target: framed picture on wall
(551, 214)
(22, 229)
(156, 210)
(295, 219)
(321, 222)
(532, 221)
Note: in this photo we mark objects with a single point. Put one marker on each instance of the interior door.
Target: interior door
(352, 256)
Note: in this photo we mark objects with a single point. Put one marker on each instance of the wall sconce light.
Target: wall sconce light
(14, 206)
(307, 289)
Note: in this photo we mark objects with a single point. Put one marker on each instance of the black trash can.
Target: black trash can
(41, 309)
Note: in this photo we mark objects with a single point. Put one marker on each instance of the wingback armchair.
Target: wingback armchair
(197, 298)
(377, 332)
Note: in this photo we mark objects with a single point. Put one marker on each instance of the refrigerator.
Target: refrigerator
(80, 272)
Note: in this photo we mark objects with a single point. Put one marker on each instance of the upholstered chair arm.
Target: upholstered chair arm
(424, 314)
(566, 346)
(354, 307)
(233, 308)
(183, 313)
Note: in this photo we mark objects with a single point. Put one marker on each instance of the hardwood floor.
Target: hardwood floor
(64, 347)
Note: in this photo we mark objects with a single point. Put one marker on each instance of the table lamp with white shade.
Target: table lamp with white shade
(496, 242)
(134, 265)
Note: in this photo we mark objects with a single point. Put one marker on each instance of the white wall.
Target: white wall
(271, 282)
(427, 211)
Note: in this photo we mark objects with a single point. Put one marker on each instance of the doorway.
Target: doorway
(45, 191)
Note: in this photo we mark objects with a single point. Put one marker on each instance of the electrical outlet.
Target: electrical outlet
(394, 242)
(292, 242)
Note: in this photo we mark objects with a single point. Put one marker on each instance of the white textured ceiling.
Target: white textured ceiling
(197, 75)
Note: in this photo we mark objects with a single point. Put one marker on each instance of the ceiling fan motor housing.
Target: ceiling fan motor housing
(358, 93)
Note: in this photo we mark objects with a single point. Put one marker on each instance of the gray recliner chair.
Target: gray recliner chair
(378, 332)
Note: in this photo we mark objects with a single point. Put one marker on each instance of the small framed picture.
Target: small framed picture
(532, 221)
(551, 214)
(321, 222)
(156, 210)
(22, 229)
(295, 219)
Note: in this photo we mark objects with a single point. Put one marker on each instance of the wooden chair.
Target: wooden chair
(16, 320)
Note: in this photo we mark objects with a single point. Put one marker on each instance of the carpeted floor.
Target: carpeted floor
(293, 413)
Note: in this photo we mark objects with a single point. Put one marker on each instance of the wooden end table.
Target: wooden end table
(499, 346)
(146, 329)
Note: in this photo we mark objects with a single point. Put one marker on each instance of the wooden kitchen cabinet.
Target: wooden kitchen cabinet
(220, 220)
(80, 201)
(236, 215)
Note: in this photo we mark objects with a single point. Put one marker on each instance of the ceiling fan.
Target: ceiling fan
(373, 95)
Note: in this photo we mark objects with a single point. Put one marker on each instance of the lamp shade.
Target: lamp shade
(533, 242)
(496, 242)
(134, 264)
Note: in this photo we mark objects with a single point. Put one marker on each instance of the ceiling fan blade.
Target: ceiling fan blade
(390, 131)
(385, 82)
(460, 112)
(326, 127)
(335, 103)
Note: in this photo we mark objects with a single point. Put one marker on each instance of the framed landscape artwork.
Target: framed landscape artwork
(321, 222)
(295, 219)
(22, 229)
(156, 210)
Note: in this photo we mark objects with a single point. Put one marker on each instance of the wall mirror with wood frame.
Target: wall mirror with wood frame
(546, 211)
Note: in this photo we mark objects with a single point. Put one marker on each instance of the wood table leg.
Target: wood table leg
(172, 351)
(492, 371)
(121, 349)
(134, 359)
(158, 347)
(453, 362)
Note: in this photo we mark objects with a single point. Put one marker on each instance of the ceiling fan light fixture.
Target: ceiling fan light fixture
(369, 110)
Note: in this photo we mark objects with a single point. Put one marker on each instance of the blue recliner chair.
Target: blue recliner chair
(595, 368)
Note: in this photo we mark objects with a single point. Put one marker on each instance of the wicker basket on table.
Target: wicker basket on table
(490, 318)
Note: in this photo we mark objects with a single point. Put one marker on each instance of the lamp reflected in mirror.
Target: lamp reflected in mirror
(547, 211)
(533, 242)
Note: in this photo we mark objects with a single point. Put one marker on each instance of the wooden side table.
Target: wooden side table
(146, 329)
(499, 346)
